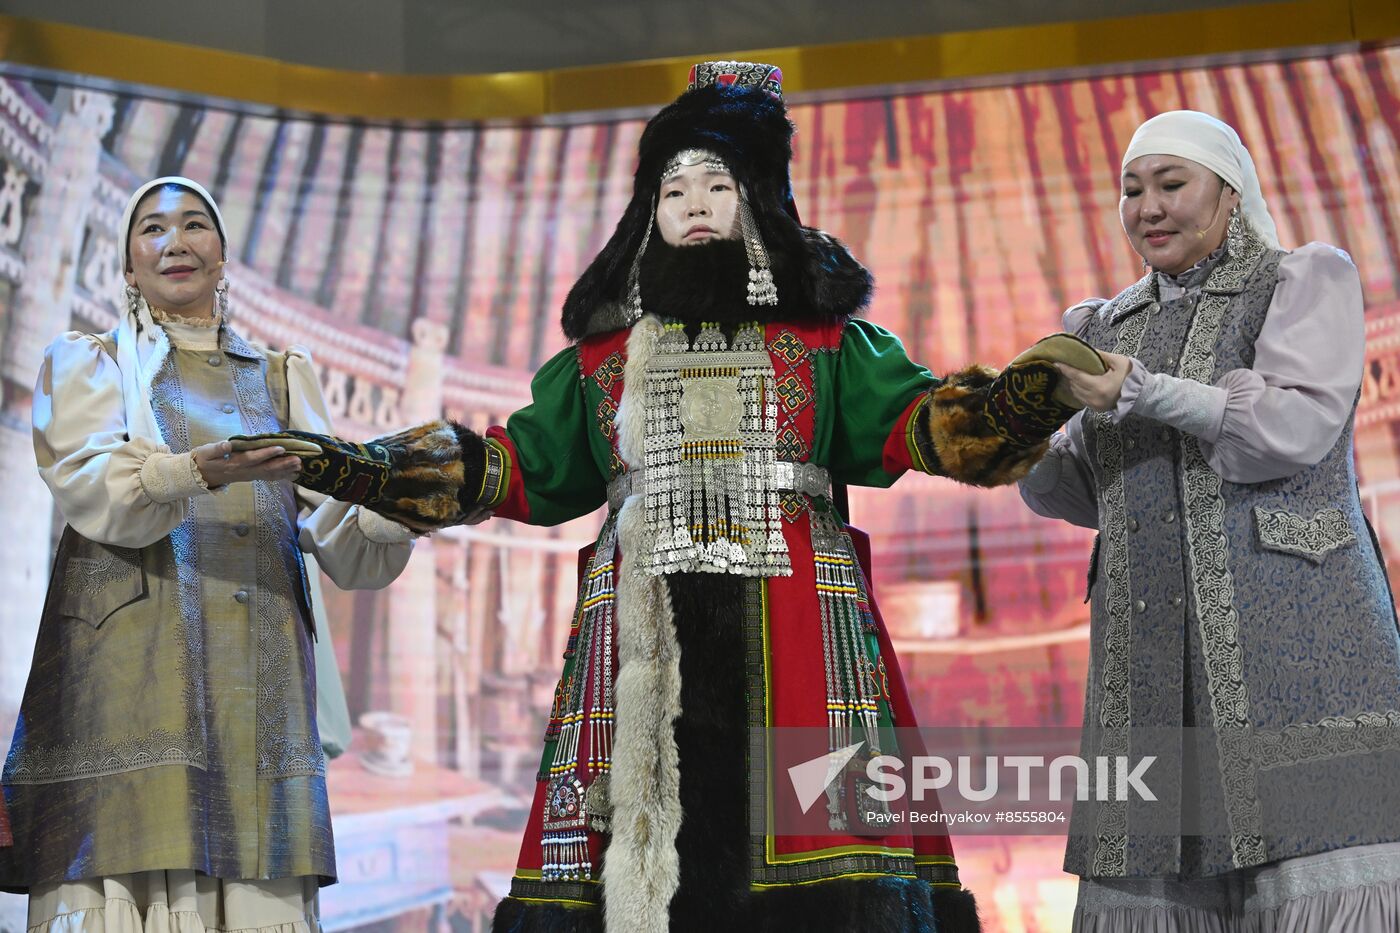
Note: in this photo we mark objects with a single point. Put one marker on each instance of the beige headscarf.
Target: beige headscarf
(142, 345)
(1200, 137)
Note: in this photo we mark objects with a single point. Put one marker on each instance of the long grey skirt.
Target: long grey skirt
(1354, 890)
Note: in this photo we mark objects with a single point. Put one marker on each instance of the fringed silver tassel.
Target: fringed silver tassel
(764, 517)
(762, 290)
(573, 803)
(667, 503)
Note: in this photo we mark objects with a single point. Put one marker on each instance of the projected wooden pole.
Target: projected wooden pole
(51, 243)
(413, 597)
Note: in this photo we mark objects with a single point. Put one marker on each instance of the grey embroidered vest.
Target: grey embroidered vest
(1255, 617)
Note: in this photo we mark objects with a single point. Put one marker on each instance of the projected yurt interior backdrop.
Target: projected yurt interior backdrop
(424, 266)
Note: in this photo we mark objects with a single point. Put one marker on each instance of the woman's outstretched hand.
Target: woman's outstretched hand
(1097, 392)
(220, 465)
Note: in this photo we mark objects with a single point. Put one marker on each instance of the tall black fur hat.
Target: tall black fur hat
(736, 111)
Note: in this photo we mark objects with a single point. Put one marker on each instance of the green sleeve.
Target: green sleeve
(874, 385)
(554, 474)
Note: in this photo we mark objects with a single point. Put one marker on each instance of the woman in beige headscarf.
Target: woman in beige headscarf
(166, 771)
(1242, 625)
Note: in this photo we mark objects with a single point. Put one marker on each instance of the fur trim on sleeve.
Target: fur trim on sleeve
(956, 440)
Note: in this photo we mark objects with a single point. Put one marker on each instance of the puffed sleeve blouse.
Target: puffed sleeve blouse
(1256, 424)
(132, 491)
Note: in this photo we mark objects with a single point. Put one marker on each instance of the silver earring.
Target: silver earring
(762, 291)
(221, 297)
(133, 299)
(1234, 232)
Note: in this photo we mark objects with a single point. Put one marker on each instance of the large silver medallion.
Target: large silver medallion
(711, 409)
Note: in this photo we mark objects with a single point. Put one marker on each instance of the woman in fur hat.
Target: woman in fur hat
(718, 383)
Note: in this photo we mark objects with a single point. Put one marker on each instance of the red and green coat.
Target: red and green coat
(850, 400)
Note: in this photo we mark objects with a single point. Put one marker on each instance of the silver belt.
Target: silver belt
(805, 478)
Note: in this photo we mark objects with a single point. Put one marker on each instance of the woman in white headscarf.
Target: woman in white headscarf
(1242, 626)
(166, 771)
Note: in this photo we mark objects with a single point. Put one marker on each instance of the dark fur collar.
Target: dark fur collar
(819, 281)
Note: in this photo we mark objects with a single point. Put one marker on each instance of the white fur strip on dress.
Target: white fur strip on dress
(641, 870)
(632, 428)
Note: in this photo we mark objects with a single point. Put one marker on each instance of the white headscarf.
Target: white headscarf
(142, 345)
(1200, 137)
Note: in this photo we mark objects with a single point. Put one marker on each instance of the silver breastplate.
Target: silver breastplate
(711, 444)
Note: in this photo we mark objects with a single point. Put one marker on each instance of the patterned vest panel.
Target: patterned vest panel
(1249, 613)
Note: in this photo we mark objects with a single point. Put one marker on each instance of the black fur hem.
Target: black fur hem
(889, 905)
(516, 916)
(956, 911)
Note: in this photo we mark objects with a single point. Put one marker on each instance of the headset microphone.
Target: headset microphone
(1201, 232)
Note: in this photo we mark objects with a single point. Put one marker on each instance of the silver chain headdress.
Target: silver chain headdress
(762, 291)
(634, 276)
(688, 157)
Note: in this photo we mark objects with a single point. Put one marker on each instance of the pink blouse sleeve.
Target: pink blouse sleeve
(1287, 411)
(1062, 485)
